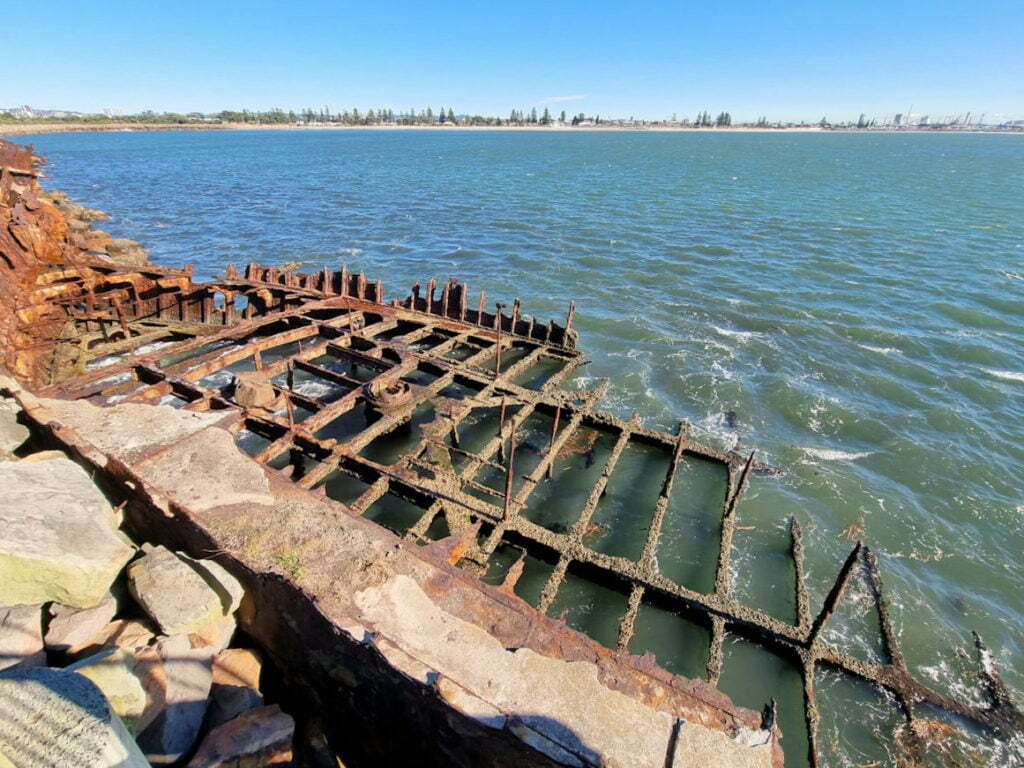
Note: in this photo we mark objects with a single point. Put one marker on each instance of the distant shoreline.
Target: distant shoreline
(18, 129)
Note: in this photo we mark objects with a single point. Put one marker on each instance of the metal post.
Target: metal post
(509, 474)
(497, 357)
(501, 430)
(551, 445)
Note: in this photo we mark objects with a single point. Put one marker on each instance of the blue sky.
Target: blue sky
(785, 59)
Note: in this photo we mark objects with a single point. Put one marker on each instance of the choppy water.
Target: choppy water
(856, 300)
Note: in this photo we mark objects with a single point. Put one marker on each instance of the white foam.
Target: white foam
(1008, 375)
(743, 336)
(829, 454)
(879, 350)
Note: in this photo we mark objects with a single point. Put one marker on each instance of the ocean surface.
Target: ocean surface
(852, 306)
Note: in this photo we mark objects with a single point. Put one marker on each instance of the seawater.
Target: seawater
(856, 301)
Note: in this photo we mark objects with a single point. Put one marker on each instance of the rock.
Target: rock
(172, 592)
(12, 434)
(253, 391)
(58, 718)
(238, 666)
(236, 679)
(128, 634)
(265, 733)
(21, 636)
(71, 627)
(111, 670)
(58, 536)
(44, 456)
(177, 680)
(127, 252)
(223, 583)
(215, 636)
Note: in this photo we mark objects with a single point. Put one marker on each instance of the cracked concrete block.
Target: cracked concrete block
(172, 592)
(21, 636)
(58, 718)
(71, 627)
(58, 536)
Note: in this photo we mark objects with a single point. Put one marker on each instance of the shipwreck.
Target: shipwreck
(406, 486)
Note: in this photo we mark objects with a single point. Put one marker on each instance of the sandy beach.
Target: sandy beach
(16, 129)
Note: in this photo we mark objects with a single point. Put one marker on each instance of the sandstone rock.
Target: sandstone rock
(177, 680)
(57, 718)
(127, 252)
(255, 392)
(223, 583)
(44, 456)
(58, 536)
(172, 592)
(215, 636)
(128, 634)
(21, 636)
(265, 733)
(70, 627)
(236, 679)
(111, 670)
(238, 666)
(12, 434)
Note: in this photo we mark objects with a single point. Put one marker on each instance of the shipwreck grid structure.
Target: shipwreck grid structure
(436, 418)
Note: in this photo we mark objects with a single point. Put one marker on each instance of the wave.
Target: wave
(743, 336)
(829, 454)
(1007, 375)
(879, 350)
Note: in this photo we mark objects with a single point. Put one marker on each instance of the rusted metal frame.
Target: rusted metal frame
(481, 459)
(579, 528)
(370, 495)
(1000, 719)
(165, 382)
(392, 421)
(547, 595)
(834, 597)
(651, 543)
(484, 394)
(74, 386)
(326, 373)
(626, 626)
(723, 576)
(197, 367)
(240, 285)
(802, 596)
(812, 717)
(890, 640)
(533, 479)
(218, 359)
(353, 445)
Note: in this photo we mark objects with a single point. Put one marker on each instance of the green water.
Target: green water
(855, 300)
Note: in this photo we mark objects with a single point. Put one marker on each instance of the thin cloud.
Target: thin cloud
(560, 99)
